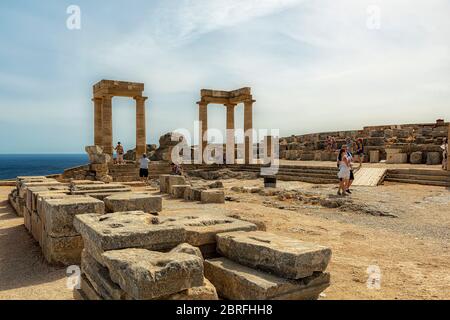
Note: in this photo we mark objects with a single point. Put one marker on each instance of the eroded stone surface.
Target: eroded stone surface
(178, 191)
(99, 278)
(62, 250)
(283, 256)
(188, 249)
(133, 201)
(174, 181)
(206, 292)
(237, 282)
(59, 213)
(202, 229)
(164, 183)
(213, 196)
(146, 274)
(134, 229)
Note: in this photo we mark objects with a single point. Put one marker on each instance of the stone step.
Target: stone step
(422, 182)
(420, 172)
(420, 177)
(307, 179)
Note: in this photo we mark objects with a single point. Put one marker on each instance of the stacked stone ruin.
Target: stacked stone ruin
(127, 252)
(409, 143)
(178, 188)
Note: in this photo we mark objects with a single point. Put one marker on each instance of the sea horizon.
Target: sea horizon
(36, 164)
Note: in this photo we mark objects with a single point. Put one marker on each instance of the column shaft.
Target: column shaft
(107, 125)
(248, 131)
(141, 140)
(230, 143)
(203, 118)
(98, 125)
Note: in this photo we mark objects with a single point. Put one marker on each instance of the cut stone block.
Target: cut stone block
(25, 185)
(396, 158)
(283, 256)
(433, 158)
(98, 187)
(213, 196)
(237, 282)
(374, 156)
(133, 201)
(27, 218)
(35, 196)
(416, 157)
(36, 227)
(175, 181)
(202, 229)
(146, 274)
(193, 194)
(120, 230)
(62, 250)
(29, 195)
(178, 191)
(205, 292)
(99, 278)
(164, 183)
(59, 213)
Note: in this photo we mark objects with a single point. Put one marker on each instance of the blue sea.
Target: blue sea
(14, 165)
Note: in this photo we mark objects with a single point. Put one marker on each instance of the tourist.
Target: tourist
(333, 144)
(143, 168)
(176, 169)
(344, 172)
(444, 148)
(352, 176)
(120, 152)
(349, 143)
(360, 151)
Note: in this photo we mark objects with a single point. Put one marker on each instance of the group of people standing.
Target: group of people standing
(345, 164)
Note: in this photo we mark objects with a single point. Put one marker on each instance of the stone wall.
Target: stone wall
(420, 142)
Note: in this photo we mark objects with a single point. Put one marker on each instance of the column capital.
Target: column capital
(202, 103)
(107, 96)
(230, 105)
(140, 98)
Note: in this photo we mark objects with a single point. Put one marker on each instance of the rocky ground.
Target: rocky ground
(404, 230)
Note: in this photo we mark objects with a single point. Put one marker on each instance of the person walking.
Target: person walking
(344, 172)
(444, 148)
(120, 152)
(143, 168)
(352, 175)
(360, 151)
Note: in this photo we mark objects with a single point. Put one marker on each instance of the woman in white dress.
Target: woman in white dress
(344, 172)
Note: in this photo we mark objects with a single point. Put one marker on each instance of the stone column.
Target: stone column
(203, 118)
(248, 134)
(141, 139)
(98, 125)
(230, 143)
(107, 124)
(268, 145)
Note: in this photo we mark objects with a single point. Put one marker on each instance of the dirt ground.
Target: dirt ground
(411, 250)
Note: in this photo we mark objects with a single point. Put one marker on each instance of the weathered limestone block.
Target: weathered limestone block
(202, 229)
(175, 181)
(120, 230)
(283, 256)
(164, 183)
(188, 249)
(213, 196)
(396, 158)
(193, 194)
(374, 156)
(178, 191)
(146, 274)
(433, 158)
(98, 187)
(133, 201)
(237, 282)
(36, 227)
(27, 218)
(29, 195)
(59, 213)
(99, 278)
(25, 185)
(416, 157)
(96, 155)
(206, 292)
(62, 250)
(88, 290)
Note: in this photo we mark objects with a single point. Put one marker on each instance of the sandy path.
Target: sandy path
(24, 274)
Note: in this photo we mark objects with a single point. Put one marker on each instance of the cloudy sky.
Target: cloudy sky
(313, 65)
